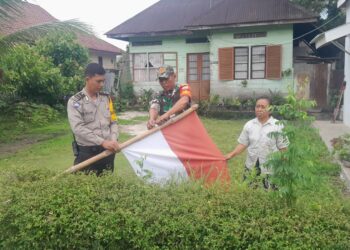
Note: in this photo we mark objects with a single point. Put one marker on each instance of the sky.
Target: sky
(102, 15)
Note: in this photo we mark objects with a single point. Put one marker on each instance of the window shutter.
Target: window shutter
(273, 62)
(226, 63)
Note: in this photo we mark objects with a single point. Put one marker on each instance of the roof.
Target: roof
(341, 3)
(94, 43)
(184, 16)
(32, 15)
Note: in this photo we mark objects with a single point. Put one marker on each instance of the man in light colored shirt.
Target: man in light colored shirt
(93, 121)
(256, 137)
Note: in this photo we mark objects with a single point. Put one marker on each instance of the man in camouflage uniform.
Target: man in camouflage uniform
(173, 100)
(93, 121)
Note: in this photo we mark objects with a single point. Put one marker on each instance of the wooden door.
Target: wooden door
(318, 86)
(198, 75)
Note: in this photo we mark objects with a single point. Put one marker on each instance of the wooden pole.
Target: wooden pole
(123, 145)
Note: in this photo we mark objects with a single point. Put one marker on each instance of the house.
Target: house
(225, 47)
(318, 73)
(331, 36)
(100, 51)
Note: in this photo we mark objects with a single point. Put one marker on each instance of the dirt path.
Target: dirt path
(133, 129)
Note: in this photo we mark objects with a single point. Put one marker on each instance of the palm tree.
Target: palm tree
(10, 9)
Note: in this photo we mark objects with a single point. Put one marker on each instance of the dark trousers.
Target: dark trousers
(265, 181)
(86, 152)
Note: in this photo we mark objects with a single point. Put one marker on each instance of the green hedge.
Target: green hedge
(83, 212)
(111, 212)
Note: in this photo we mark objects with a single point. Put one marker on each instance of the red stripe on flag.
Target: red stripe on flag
(189, 140)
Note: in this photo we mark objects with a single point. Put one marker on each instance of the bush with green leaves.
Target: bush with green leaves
(206, 105)
(294, 167)
(68, 55)
(126, 97)
(294, 108)
(26, 114)
(145, 97)
(341, 146)
(84, 212)
(31, 77)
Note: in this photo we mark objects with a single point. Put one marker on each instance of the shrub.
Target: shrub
(294, 108)
(145, 98)
(32, 114)
(126, 97)
(292, 167)
(341, 147)
(276, 97)
(32, 77)
(231, 103)
(68, 55)
(205, 105)
(78, 211)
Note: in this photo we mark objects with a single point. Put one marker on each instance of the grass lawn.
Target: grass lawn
(55, 154)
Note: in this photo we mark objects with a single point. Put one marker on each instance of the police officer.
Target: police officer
(174, 98)
(93, 121)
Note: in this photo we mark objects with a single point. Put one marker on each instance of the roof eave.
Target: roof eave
(127, 36)
(341, 3)
(105, 51)
(223, 26)
(331, 35)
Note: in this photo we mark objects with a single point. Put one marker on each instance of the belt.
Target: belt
(91, 149)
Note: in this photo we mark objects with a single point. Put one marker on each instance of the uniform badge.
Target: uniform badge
(76, 105)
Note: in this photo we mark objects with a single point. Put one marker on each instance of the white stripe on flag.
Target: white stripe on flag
(152, 156)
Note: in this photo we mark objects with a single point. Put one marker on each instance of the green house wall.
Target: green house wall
(277, 34)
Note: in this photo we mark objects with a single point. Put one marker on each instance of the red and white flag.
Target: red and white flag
(180, 151)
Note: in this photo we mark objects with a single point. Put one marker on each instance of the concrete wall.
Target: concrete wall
(277, 34)
(346, 114)
(177, 45)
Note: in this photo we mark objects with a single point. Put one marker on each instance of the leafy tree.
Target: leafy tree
(38, 72)
(327, 9)
(30, 76)
(67, 55)
(316, 6)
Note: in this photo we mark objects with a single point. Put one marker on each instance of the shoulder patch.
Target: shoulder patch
(78, 96)
(185, 90)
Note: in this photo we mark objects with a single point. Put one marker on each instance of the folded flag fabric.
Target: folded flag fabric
(178, 152)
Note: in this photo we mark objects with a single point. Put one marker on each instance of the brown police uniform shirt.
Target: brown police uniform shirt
(92, 121)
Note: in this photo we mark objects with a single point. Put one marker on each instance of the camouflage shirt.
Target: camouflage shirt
(165, 100)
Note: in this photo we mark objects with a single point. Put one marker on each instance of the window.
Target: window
(249, 35)
(145, 65)
(241, 62)
(258, 60)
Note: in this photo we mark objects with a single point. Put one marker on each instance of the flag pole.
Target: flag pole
(137, 138)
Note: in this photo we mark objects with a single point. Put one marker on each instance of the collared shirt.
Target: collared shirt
(165, 100)
(91, 120)
(260, 143)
